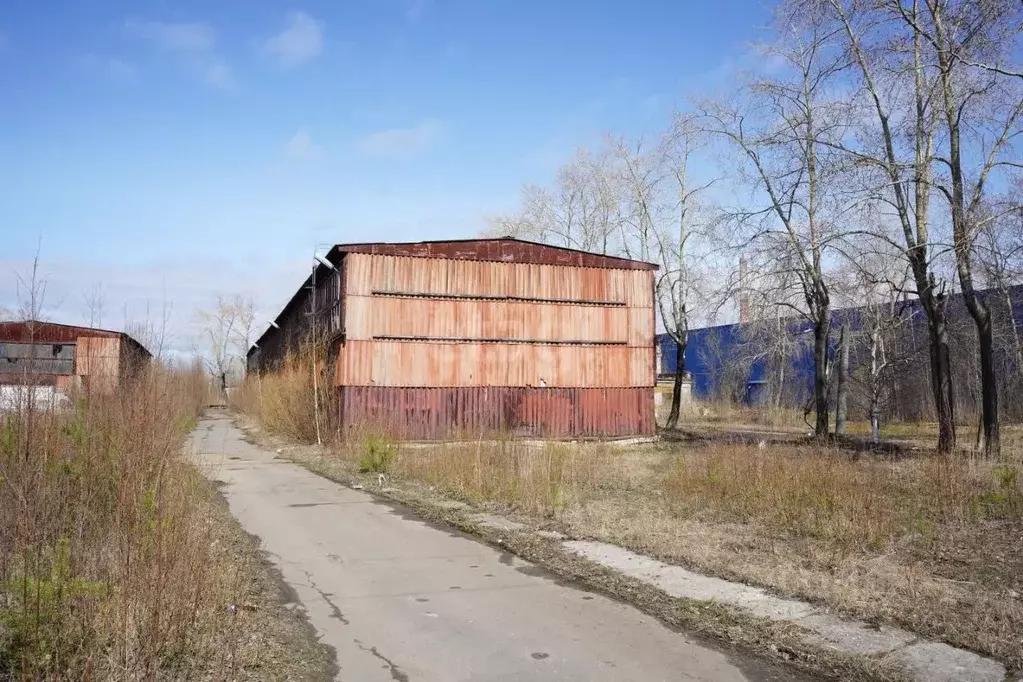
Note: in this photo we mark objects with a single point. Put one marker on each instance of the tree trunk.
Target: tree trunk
(820, 375)
(676, 388)
(941, 379)
(781, 383)
(841, 399)
(963, 229)
(875, 388)
(1016, 344)
(988, 382)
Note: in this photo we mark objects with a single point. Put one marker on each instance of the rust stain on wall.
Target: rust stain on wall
(431, 413)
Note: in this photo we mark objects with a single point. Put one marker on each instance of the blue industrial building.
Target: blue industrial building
(732, 353)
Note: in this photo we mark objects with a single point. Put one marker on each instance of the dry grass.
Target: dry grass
(110, 563)
(852, 506)
(722, 416)
(282, 401)
(535, 478)
(932, 545)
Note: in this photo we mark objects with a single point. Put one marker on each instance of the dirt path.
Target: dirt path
(400, 600)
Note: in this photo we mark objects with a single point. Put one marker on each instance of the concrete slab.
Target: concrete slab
(853, 637)
(400, 599)
(551, 534)
(639, 440)
(924, 661)
(679, 582)
(938, 662)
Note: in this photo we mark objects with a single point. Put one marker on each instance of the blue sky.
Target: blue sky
(179, 150)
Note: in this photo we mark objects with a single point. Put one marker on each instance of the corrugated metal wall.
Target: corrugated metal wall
(435, 347)
(370, 317)
(425, 413)
(418, 322)
(98, 360)
(367, 274)
(442, 364)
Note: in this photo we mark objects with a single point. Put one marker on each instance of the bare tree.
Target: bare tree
(31, 294)
(225, 331)
(243, 327)
(893, 91)
(974, 99)
(581, 210)
(767, 330)
(778, 131)
(682, 219)
(882, 283)
(151, 331)
(937, 68)
(1001, 263)
(635, 199)
(30, 290)
(95, 302)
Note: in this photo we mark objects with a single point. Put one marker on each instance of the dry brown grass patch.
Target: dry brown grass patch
(533, 477)
(824, 494)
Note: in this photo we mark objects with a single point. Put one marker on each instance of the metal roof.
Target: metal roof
(502, 250)
(34, 331)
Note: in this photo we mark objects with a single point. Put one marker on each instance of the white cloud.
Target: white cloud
(402, 141)
(111, 68)
(301, 147)
(301, 41)
(194, 43)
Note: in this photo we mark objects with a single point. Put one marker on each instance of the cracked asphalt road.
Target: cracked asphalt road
(400, 600)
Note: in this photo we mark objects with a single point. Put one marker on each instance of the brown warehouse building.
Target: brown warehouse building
(433, 339)
(59, 359)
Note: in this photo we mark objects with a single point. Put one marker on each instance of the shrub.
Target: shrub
(377, 455)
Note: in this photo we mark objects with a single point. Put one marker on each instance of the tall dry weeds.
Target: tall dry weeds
(104, 570)
(283, 401)
(537, 478)
(824, 494)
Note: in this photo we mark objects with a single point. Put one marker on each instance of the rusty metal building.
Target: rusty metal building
(63, 358)
(434, 339)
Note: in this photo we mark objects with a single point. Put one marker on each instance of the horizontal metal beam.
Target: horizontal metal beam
(485, 297)
(456, 339)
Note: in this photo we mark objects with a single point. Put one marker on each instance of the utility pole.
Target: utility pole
(316, 383)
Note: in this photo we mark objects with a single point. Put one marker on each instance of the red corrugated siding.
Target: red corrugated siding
(371, 316)
(367, 274)
(426, 340)
(431, 413)
(451, 364)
